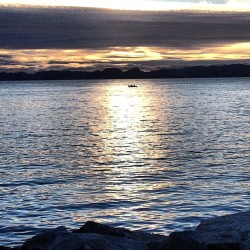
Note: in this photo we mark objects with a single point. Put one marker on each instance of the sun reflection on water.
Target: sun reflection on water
(130, 119)
(125, 112)
(122, 129)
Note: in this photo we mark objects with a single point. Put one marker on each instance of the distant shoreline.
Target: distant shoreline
(214, 71)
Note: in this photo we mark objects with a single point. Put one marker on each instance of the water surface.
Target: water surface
(159, 157)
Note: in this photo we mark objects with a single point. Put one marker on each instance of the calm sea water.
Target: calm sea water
(159, 157)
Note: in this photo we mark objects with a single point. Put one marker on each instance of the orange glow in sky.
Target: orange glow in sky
(122, 57)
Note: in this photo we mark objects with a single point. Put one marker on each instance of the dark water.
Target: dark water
(159, 157)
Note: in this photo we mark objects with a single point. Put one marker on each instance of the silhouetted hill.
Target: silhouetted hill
(234, 70)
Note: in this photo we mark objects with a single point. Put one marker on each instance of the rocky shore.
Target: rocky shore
(230, 232)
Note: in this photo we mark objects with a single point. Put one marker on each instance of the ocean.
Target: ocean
(159, 157)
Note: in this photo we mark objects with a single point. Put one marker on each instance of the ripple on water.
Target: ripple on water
(160, 157)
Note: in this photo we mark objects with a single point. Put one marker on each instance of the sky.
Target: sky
(97, 34)
(144, 4)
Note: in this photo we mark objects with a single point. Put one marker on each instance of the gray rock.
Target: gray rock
(4, 248)
(225, 246)
(229, 232)
(246, 245)
(187, 240)
(44, 240)
(153, 241)
(61, 239)
(97, 228)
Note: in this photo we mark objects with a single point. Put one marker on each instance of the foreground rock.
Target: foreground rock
(226, 232)
(94, 236)
(231, 232)
(61, 239)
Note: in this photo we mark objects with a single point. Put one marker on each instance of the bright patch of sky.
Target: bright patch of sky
(228, 5)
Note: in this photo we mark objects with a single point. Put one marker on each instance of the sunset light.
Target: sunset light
(229, 5)
(122, 57)
(124, 123)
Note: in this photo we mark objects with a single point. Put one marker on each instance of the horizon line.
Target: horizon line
(131, 68)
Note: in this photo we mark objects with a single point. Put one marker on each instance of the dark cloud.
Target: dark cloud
(69, 62)
(7, 60)
(76, 28)
(6, 57)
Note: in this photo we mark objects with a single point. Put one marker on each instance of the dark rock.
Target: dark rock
(153, 241)
(225, 246)
(43, 241)
(187, 240)
(158, 245)
(226, 232)
(4, 248)
(97, 228)
(231, 232)
(246, 245)
(61, 239)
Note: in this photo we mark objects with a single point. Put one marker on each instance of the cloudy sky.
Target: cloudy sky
(143, 4)
(97, 34)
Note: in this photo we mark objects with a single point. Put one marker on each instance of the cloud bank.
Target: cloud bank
(72, 28)
(88, 38)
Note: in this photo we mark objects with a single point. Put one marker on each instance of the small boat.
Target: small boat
(132, 86)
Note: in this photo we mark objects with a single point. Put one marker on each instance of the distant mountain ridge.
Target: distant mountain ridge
(232, 70)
